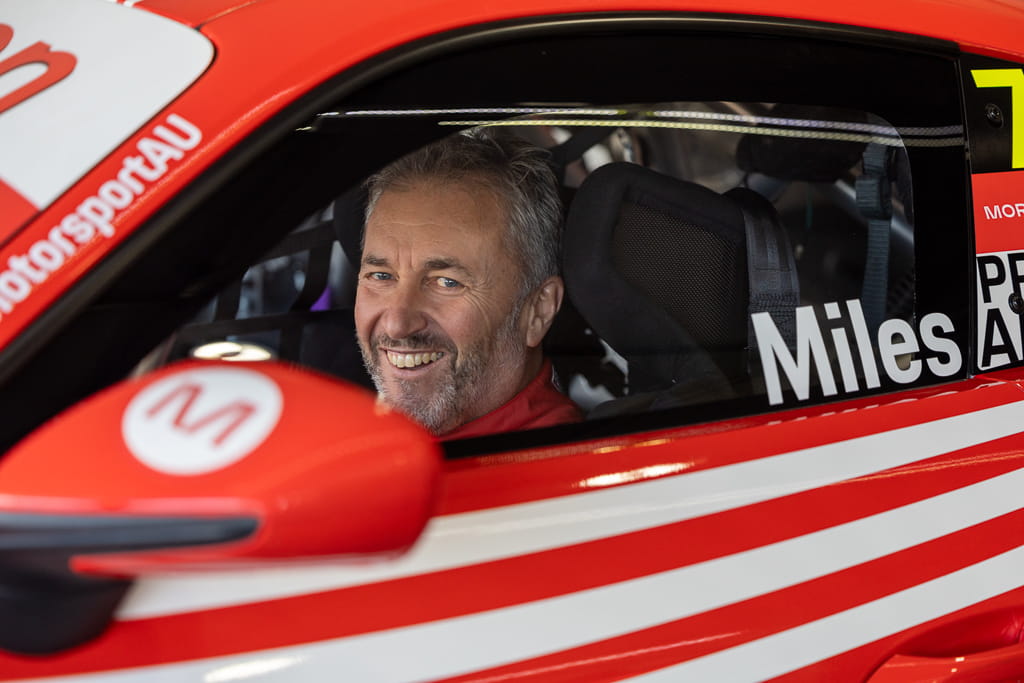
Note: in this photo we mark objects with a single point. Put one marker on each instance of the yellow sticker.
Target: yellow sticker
(1014, 80)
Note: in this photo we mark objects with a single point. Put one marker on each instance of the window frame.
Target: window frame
(216, 191)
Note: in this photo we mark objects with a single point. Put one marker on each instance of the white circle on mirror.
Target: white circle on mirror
(201, 420)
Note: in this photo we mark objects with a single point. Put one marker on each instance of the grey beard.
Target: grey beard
(459, 390)
(449, 401)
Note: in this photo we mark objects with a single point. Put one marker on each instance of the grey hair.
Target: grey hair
(516, 171)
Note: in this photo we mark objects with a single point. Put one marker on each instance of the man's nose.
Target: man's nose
(404, 314)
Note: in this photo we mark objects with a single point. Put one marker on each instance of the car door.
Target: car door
(846, 502)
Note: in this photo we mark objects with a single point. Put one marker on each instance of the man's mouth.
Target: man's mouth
(412, 360)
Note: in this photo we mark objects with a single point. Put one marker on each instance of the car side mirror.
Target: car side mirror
(200, 466)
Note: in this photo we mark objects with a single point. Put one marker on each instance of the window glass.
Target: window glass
(712, 251)
(785, 112)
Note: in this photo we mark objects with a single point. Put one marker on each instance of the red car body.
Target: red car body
(879, 537)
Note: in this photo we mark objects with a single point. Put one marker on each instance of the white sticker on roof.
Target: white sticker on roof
(76, 79)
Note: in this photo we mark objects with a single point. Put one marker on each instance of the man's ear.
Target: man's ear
(540, 310)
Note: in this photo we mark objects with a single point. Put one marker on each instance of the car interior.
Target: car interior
(253, 259)
(674, 234)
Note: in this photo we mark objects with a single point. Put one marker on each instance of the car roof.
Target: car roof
(987, 26)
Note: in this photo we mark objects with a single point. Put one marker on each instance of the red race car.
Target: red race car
(792, 328)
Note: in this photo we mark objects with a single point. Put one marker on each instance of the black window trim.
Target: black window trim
(18, 356)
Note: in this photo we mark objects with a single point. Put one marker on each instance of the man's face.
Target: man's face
(437, 304)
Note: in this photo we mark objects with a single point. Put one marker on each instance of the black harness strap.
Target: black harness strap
(874, 200)
(771, 272)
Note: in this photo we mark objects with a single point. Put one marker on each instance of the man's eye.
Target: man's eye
(377, 275)
(448, 283)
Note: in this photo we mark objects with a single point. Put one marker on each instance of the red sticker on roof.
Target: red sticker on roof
(998, 211)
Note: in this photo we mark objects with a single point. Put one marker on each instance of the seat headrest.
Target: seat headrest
(348, 217)
(658, 267)
(811, 159)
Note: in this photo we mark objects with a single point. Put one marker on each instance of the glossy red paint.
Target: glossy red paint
(1001, 663)
(427, 597)
(303, 507)
(192, 12)
(731, 626)
(480, 483)
(14, 208)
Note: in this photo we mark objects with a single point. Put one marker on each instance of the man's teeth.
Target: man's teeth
(412, 360)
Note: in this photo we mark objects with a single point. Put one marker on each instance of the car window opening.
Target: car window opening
(711, 251)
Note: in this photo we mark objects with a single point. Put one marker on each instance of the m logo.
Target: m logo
(229, 417)
(201, 420)
(58, 65)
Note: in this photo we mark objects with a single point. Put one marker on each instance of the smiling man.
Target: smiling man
(459, 284)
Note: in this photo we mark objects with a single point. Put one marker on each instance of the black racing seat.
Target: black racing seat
(347, 217)
(667, 273)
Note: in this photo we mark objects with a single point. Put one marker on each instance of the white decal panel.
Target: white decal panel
(77, 79)
(1000, 305)
(904, 351)
(23, 272)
